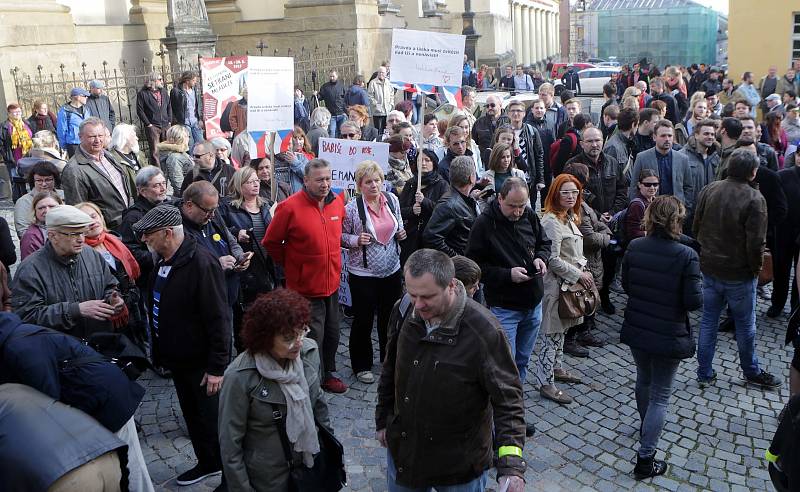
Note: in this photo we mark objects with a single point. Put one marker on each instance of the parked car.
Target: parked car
(560, 68)
(592, 79)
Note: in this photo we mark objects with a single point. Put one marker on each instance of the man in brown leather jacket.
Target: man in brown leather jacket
(730, 223)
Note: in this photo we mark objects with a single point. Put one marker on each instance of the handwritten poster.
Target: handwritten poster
(345, 155)
(424, 57)
(270, 105)
(224, 83)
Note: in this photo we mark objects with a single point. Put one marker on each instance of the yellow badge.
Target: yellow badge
(216, 237)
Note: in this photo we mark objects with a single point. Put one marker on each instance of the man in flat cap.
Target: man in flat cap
(63, 285)
(190, 318)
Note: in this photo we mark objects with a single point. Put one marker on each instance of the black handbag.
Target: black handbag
(120, 350)
(327, 474)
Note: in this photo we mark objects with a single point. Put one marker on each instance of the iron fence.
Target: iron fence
(311, 66)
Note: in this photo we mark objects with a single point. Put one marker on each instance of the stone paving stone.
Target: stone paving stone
(713, 440)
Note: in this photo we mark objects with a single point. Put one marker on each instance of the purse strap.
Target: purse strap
(280, 422)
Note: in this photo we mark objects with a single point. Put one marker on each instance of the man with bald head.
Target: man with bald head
(484, 127)
(606, 192)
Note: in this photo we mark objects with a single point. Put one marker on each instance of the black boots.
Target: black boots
(648, 467)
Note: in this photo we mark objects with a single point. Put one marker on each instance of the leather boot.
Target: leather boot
(648, 467)
(574, 349)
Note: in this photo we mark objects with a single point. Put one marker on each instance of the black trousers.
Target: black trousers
(371, 296)
(325, 328)
(200, 412)
(784, 257)
(609, 270)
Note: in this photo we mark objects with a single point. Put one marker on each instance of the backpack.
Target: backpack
(362, 215)
(617, 225)
(556, 146)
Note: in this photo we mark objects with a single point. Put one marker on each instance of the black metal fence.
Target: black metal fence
(311, 66)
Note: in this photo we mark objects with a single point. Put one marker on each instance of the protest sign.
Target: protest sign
(345, 155)
(224, 81)
(430, 58)
(271, 107)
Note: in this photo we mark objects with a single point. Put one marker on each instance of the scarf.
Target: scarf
(300, 427)
(20, 138)
(118, 250)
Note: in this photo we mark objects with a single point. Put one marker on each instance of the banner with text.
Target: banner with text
(429, 58)
(345, 155)
(224, 82)
(270, 105)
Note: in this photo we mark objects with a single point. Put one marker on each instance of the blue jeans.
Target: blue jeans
(476, 485)
(333, 126)
(522, 329)
(195, 135)
(654, 377)
(741, 299)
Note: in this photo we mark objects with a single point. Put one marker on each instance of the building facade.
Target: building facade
(665, 32)
(762, 34)
(70, 41)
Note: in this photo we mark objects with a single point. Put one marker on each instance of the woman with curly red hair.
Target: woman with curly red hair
(278, 371)
(566, 265)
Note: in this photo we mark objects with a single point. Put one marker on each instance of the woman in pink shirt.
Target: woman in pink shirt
(372, 231)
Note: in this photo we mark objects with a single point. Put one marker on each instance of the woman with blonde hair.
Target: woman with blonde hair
(461, 120)
(174, 159)
(662, 279)
(566, 266)
(371, 231)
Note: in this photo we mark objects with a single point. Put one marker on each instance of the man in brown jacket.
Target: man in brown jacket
(448, 380)
(730, 223)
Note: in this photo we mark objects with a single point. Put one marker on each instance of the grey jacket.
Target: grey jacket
(620, 147)
(252, 455)
(83, 181)
(101, 107)
(47, 289)
(703, 171)
(176, 164)
(682, 183)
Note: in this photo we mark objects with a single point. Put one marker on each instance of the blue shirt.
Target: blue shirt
(664, 173)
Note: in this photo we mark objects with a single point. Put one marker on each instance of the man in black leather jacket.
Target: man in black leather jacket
(452, 219)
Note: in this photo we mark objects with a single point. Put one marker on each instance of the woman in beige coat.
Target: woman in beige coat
(562, 217)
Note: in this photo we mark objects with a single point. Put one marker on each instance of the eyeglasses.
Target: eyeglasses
(252, 181)
(41, 181)
(72, 235)
(208, 211)
(196, 156)
(290, 340)
(569, 192)
(491, 105)
(650, 185)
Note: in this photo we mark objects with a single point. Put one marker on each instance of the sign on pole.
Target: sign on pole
(345, 155)
(224, 83)
(270, 104)
(429, 58)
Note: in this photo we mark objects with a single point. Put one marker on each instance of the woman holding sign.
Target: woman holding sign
(416, 205)
(372, 231)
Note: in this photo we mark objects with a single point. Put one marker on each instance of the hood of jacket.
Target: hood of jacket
(170, 147)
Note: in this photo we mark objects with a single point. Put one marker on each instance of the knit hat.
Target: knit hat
(67, 217)
(159, 217)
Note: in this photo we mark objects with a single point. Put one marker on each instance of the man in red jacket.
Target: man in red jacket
(304, 237)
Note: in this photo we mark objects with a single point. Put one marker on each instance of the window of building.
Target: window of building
(796, 36)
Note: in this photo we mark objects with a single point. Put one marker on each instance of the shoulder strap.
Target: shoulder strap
(280, 422)
(362, 214)
(389, 201)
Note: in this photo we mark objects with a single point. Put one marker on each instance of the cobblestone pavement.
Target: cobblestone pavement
(714, 438)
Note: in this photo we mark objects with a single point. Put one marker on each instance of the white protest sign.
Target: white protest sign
(345, 155)
(270, 97)
(423, 57)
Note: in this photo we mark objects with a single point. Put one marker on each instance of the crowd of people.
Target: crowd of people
(487, 234)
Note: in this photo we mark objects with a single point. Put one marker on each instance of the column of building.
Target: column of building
(516, 13)
(526, 32)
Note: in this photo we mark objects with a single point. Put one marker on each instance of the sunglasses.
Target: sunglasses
(650, 185)
(349, 135)
(491, 105)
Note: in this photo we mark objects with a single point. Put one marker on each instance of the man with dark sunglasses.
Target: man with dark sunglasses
(208, 167)
(484, 127)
